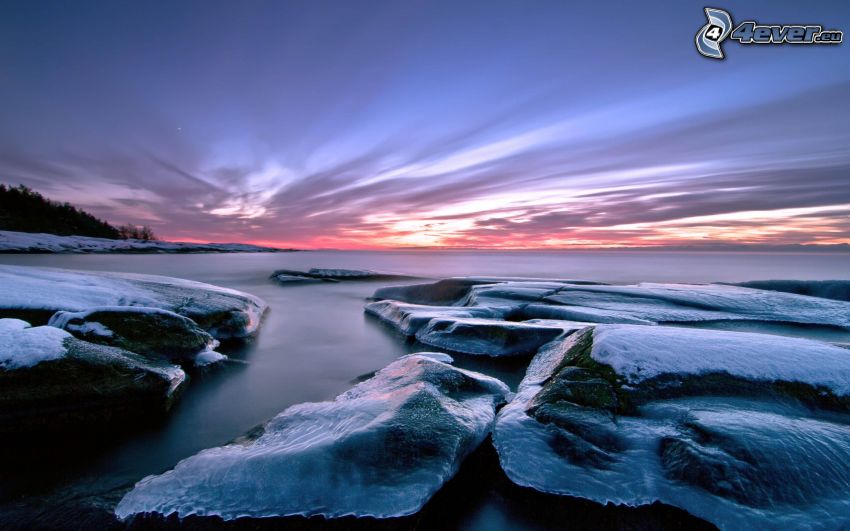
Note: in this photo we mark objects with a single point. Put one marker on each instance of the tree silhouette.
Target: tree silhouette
(25, 210)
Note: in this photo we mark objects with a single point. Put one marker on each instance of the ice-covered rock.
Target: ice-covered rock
(455, 291)
(381, 449)
(410, 318)
(510, 294)
(289, 276)
(36, 293)
(649, 355)
(50, 381)
(580, 313)
(838, 290)
(441, 293)
(669, 303)
(744, 430)
(490, 337)
(630, 304)
(151, 332)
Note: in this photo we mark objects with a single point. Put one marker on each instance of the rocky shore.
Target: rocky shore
(632, 395)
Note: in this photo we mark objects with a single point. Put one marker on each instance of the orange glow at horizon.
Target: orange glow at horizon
(811, 226)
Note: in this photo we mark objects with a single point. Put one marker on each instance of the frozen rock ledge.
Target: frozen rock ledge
(748, 431)
(381, 449)
(36, 293)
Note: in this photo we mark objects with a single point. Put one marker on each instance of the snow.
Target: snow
(208, 357)
(640, 353)
(27, 242)
(63, 320)
(701, 302)
(381, 449)
(24, 346)
(40, 288)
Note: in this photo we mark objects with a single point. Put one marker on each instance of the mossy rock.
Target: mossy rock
(154, 333)
(90, 385)
(668, 386)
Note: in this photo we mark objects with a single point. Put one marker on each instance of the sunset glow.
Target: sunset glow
(348, 143)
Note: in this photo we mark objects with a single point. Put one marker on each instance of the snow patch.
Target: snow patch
(640, 353)
(23, 346)
(208, 357)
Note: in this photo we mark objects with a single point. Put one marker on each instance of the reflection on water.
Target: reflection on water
(313, 343)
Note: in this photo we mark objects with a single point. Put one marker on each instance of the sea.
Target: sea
(315, 343)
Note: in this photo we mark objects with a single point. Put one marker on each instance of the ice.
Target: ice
(510, 294)
(697, 302)
(489, 337)
(220, 311)
(751, 458)
(25, 346)
(758, 469)
(410, 318)
(27, 242)
(838, 290)
(208, 357)
(580, 313)
(381, 449)
(629, 304)
(640, 353)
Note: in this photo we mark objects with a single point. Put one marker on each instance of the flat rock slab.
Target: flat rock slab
(693, 303)
(744, 430)
(838, 290)
(36, 293)
(382, 449)
(454, 313)
(315, 275)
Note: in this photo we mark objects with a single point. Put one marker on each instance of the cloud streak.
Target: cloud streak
(308, 151)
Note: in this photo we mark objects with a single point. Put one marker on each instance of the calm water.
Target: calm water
(316, 340)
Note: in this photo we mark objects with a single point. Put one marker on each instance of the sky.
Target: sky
(368, 124)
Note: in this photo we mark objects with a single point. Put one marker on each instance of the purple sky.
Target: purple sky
(370, 124)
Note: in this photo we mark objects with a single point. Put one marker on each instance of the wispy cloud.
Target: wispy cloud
(467, 131)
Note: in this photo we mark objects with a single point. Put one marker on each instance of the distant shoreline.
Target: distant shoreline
(12, 242)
